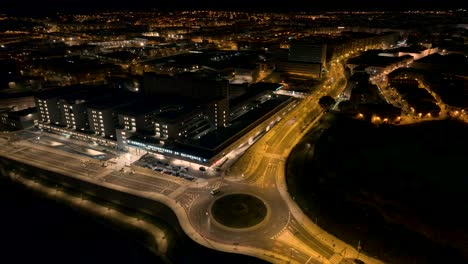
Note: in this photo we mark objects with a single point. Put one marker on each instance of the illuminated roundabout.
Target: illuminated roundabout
(241, 215)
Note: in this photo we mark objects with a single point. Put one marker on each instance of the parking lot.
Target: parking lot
(150, 162)
(70, 145)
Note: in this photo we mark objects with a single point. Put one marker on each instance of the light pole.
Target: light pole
(359, 249)
(57, 190)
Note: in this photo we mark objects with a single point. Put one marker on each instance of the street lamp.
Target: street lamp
(359, 249)
(56, 189)
(290, 255)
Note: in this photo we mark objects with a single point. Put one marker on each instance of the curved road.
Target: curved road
(286, 236)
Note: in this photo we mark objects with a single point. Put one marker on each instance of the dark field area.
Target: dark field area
(400, 190)
(239, 210)
(35, 229)
(38, 230)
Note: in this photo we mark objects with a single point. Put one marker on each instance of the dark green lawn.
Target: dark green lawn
(239, 210)
(401, 190)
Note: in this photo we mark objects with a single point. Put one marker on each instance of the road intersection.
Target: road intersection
(285, 236)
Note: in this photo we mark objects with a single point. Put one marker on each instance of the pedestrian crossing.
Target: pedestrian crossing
(335, 258)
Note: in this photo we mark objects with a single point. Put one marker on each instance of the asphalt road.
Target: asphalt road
(285, 236)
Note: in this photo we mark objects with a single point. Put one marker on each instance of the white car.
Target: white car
(215, 191)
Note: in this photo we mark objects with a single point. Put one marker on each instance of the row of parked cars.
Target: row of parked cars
(166, 168)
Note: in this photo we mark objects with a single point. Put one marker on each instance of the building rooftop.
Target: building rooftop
(121, 55)
(219, 137)
(411, 49)
(252, 91)
(168, 107)
(139, 107)
(23, 112)
(452, 64)
(173, 113)
(62, 92)
(218, 60)
(209, 145)
(119, 98)
(437, 58)
(375, 60)
(75, 65)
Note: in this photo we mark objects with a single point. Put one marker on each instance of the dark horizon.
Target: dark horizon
(31, 7)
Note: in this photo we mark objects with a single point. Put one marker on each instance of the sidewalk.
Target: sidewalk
(313, 229)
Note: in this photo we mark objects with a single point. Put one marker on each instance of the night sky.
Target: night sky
(29, 6)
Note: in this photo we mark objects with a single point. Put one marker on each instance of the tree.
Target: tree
(326, 102)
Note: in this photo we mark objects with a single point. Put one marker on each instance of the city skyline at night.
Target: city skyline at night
(294, 5)
(233, 131)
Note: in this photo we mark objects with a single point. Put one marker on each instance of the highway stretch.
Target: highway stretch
(285, 236)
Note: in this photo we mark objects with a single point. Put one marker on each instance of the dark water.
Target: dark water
(34, 229)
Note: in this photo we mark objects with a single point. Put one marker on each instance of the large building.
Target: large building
(197, 126)
(80, 108)
(51, 104)
(138, 117)
(103, 116)
(373, 63)
(48, 109)
(75, 113)
(164, 120)
(305, 58)
(307, 51)
(211, 93)
(218, 112)
(16, 120)
(181, 122)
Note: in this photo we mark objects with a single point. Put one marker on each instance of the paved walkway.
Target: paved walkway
(261, 171)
